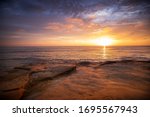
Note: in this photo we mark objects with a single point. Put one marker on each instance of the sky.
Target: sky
(74, 22)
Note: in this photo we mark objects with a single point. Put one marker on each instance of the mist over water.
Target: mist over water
(15, 56)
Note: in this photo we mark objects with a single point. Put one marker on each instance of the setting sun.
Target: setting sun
(104, 41)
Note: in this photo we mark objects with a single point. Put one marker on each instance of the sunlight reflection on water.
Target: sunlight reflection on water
(104, 52)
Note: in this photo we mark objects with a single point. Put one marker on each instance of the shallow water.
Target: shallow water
(15, 56)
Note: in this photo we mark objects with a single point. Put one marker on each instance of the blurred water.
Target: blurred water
(15, 56)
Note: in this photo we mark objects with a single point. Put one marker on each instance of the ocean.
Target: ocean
(16, 56)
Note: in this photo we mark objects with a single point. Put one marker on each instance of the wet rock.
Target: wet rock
(112, 62)
(108, 62)
(12, 85)
(52, 72)
(112, 80)
(127, 61)
(84, 63)
(23, 68)
(2, 74)
(12, 94)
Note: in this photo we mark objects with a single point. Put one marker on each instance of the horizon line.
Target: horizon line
(70, 45)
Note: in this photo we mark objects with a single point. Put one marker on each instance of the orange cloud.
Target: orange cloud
(73, 26)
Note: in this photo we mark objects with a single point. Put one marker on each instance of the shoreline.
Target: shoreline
(126, 79)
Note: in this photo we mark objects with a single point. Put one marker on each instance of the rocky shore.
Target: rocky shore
(126, 79)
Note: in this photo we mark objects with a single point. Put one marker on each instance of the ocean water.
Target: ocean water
(16, 56)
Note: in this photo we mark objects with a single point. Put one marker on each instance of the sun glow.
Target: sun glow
(104, 41)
